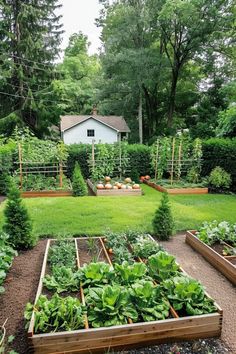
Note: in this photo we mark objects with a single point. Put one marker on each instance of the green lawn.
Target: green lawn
(92, 215)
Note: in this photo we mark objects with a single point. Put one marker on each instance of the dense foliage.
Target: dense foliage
(7, 254)
(219, 179)
(213, 232)
(17, 221)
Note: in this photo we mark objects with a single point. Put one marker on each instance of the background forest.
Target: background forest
(165, 65)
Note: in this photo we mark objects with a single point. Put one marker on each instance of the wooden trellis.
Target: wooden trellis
(29, 168)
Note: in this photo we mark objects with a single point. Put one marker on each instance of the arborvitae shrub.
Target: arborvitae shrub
(163, 222)
(18, 224)
(78, 184)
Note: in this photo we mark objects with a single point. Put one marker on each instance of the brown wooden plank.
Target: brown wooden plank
(108, 338)
(37, 194)
(40, 287)
(197, 190)
(218, 261)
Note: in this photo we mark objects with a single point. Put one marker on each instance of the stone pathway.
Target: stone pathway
(222, 291)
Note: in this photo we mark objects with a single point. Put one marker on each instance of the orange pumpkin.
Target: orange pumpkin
(123, 186)
(100, 186)
(142, 178)
(107, 179)
(147, 177)
(119, 185)
(136, 186)
(108, 186)
(129, 187)
(115, 187)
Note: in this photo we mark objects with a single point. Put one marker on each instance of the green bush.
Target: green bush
(18, 224)
(220, 152)
(219, 179)
(140, 158)
(78, 184)
(163, 223)
(78, 153)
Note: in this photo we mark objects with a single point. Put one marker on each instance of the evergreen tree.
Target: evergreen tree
(30, 38)
(78, 184)
(18, 225)
(163, 222)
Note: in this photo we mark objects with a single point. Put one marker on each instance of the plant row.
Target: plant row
(129, 290)
(7, 254)
(224, 233)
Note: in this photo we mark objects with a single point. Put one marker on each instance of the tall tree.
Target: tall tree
(30, 39)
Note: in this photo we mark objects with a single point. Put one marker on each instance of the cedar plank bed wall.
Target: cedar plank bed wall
(101, 340)
(197, 190)
(35, 194)
(218, 261)
(109, 192)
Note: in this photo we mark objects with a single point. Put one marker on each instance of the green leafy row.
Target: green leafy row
(7, 254)
(213, 232)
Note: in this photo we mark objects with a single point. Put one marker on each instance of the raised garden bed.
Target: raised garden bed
(225, 264)
(112, 192)
(103, 339)
(35, 194)
(196, 190)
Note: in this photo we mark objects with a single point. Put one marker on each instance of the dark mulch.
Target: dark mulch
(21, 286)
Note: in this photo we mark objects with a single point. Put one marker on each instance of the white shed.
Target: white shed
(85, 129)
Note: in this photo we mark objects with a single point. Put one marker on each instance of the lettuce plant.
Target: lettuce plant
(145, 247)
(109, 306)
(162, 265)
(62, 279)
(56, 314)
(149, 302)
(188, 295)
(130, 273)
(96, 274)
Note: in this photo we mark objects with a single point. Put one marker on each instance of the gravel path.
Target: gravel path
(216, 284)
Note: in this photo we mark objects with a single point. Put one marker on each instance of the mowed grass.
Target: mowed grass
(93, 215)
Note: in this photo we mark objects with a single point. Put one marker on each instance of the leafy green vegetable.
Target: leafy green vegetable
(7, 254)
(63, 254)
(213, 232)
(149, 301)
(162, 266)
(62, 279)
(121, 254)
(130, 273)
(56, 314)
(188, 294)
(96, 274)
(109, 306)
(145, 247)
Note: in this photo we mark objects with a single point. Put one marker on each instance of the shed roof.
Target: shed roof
(115, 122)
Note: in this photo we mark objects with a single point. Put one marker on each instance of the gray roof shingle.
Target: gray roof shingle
(116, 122)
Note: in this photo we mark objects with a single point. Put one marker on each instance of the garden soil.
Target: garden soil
(22, 282)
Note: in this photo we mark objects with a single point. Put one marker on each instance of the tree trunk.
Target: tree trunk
(171, 108)
(140, 118)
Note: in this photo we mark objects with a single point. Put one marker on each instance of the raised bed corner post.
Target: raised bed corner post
(20, 161)
(120, 159)
(172, 162)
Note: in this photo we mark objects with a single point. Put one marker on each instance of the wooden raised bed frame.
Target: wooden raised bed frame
(35, 194)
(197, 190)
(101, 340)
(112, 192)
(220, 262)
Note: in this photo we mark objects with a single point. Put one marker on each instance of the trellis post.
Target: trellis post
(93, 155)
(172, 162)
(179, 161)
(157, 153)
(61, 174)
(20, 161)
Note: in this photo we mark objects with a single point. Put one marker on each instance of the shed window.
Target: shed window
(90, 132)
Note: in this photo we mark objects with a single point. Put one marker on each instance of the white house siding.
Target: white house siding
(78, 133)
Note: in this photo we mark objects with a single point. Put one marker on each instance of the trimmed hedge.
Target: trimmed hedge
(220, 152)
(216, 152)
(139, 159)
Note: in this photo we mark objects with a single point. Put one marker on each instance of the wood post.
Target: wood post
(179, 160)
(61, 174)
(20, 161)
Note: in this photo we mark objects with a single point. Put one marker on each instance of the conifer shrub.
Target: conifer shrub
(78, 184)
(163, 223)
(17, 221)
